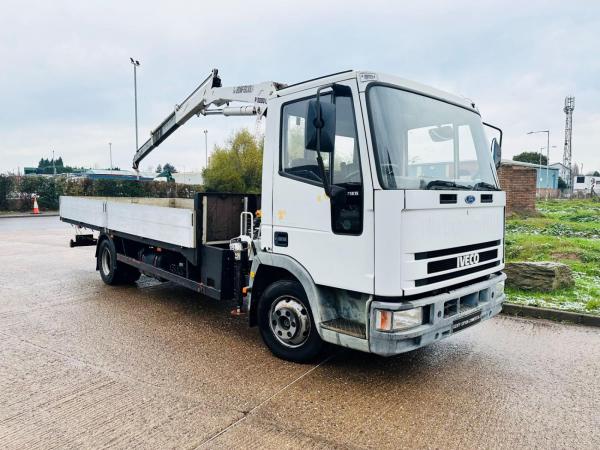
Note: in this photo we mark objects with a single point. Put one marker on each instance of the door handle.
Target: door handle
(281, 239)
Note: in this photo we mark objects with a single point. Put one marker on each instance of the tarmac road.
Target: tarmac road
(87, 365)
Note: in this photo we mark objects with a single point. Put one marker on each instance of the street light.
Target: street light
(136, 64)
(206, 147)
(547, 151)
(110, 154)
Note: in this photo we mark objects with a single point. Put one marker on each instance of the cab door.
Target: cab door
(334, 243)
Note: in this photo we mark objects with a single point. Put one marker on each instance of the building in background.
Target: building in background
(583, 184)
(563, 171)
(518, 180)
(545, 181)
(191, 178)
(122, 175)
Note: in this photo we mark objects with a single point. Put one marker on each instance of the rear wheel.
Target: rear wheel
(286, 322)
(111, 271)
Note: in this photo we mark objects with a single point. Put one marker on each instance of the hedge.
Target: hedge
(6, 187)
(49, 189)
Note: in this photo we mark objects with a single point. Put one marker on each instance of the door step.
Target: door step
(345, 326)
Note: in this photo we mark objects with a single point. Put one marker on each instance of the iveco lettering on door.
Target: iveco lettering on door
(467, 260)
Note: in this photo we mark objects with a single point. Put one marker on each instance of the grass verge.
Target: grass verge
(566, 231)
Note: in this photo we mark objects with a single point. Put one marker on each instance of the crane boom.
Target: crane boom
(210, 93)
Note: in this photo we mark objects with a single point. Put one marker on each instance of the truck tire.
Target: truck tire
(286, 322)
(111, 271)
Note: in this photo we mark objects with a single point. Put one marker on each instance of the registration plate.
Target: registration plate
(467, 321)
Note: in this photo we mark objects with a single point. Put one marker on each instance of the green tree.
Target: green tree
(531, 157)
(170, 167)
(236, 167)
(45, 166)
(596, 174)
(561, 183)
(159, 169)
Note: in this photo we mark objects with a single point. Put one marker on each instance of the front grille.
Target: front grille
(454, 250)
(452, 263)
(458, 273)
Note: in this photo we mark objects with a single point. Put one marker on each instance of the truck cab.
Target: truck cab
(410, 248)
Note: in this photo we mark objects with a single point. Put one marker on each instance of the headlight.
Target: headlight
(398, 320)
(498, 290)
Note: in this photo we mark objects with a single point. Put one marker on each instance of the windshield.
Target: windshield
(424, 143)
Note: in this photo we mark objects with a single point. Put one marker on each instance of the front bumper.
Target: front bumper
(441, 320)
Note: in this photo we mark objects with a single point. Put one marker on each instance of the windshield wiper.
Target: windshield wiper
(390, 172)
(446, 185)
(483, 186)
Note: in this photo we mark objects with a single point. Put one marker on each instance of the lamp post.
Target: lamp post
(136, 64)
(110, 154)
(547, 150)
(206, 147)
(548, 158)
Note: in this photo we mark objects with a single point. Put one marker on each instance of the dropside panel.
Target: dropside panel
(171, 225)
(84, 210)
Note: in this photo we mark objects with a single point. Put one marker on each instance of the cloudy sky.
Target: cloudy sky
(66, 83)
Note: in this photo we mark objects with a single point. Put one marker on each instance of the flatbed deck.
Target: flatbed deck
(198, 229)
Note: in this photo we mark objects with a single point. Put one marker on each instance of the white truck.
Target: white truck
(585, 184)
(381, 224)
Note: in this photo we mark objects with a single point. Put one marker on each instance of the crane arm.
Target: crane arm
(210, 93)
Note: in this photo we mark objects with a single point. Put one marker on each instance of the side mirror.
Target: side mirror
(319, 130)
(496, 152)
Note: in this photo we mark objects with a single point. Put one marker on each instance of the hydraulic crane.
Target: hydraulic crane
(210, 93)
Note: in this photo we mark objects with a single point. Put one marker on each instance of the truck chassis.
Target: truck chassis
(207, 268)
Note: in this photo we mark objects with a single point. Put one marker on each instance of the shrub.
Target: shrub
(6, 186)
(237, 167)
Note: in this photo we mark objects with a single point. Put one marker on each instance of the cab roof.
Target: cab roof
(365, 78)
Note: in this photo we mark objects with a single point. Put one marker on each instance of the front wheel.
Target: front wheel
(286, 322)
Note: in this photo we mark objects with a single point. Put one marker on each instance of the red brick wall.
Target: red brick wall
(519, 182)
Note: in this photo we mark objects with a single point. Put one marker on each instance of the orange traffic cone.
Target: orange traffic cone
(36, 209)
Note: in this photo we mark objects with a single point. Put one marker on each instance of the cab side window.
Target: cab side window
(296, 160)
(342, 167)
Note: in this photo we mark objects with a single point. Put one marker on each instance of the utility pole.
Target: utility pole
(547, 151)
(136, 64)
(110, 154)
(53, 164)
(206, 147)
